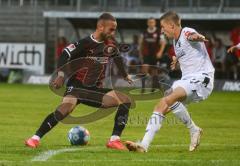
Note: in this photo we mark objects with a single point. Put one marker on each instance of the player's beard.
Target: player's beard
(106, 37)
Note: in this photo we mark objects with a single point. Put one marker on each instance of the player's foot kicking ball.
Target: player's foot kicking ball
(116, 144)
(135, 146)
(195, 139)
(32, 143)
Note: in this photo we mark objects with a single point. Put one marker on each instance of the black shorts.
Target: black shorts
(150, 60)
(91, 96)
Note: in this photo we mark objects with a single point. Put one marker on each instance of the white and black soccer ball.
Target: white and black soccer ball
(78, 136)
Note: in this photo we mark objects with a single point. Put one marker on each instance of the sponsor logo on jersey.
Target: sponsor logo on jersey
(71, 47)
(102, 60)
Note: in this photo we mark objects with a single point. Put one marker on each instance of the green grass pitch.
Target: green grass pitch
(23, 107)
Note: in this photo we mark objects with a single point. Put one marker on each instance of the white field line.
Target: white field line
(44, 156)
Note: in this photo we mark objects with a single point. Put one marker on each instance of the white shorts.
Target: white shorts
(198, 87)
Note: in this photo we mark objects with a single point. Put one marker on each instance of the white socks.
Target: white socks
(114, 137)
(182, 114)
(36, 137)
(154, 124)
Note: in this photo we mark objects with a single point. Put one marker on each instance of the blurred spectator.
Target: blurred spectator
(61, 44)
(219, 56)
(152, 45)
(235, 38)
(4, 73)
(209, 47)
(133, 55)
(232, 66)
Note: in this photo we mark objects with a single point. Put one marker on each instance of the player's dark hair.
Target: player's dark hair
(106, 17)
(171, 16)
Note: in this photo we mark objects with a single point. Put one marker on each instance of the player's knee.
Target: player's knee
(70, 100)
(65, 109)
(126, 100)
(168, 92)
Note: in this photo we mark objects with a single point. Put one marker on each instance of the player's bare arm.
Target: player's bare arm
(140, 47)
(174, 62)
(59, 80)
(119, 63)
(196, 37)
(233, 48)
(162, 47)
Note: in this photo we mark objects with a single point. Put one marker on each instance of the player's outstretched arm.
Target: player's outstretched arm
(196, 37)
(59, 80)
(118, 60)
(233, 48)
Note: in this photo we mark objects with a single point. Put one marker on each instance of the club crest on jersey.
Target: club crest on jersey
(110, 50)
(71, 47)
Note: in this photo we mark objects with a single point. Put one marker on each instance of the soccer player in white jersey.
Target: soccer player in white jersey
(233, 48)
(195, 85)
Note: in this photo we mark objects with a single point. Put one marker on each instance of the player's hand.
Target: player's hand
(159, 55)
(197, 37)
(173, 63)
(128, 79)
(58, 82)
(231, 49)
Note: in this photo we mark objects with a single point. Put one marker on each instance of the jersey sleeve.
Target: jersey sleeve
(72, 51)
(187, 32)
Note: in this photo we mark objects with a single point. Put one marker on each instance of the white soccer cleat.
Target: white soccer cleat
(135, 146)
(195, 139)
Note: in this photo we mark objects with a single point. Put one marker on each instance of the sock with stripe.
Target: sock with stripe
(180, 111)
(154, 124)
(49, 122)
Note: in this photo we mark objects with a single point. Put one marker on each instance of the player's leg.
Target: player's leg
(180, 111)
(144, 72)
(123, 102)
(156, 120)
(66, 107)
(155, 80)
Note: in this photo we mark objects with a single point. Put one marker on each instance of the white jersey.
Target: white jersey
(192, 56)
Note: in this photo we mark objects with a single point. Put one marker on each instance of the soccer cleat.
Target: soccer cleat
(116, 144)
(32, 143)
(136, 147)
(195, 139)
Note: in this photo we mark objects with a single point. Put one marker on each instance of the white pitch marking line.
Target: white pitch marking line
(48, 154)
(44, 156)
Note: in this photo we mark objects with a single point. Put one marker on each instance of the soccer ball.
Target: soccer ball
(78, 136)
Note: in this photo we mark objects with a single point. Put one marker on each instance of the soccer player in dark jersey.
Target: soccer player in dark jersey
(152, 45)
(85, 86)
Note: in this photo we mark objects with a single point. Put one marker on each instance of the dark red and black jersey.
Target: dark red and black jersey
(151, 41)
(88, 59)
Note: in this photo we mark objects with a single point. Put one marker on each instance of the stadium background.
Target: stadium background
(47, 22)
(22, 107)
